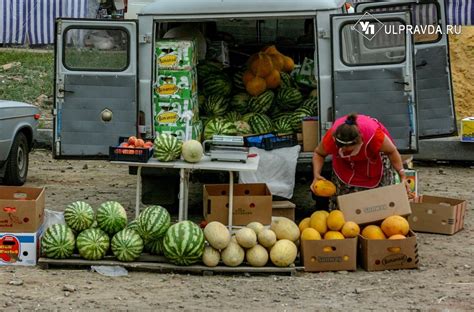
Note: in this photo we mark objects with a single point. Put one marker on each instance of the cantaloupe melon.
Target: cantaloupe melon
(217, 235)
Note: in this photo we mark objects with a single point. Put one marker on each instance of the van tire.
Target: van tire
(17, 162)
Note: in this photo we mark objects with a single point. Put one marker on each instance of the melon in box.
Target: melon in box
(180, 84)
(175, 54)
(329, 255)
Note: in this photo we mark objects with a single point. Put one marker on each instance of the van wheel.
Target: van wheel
(17, 162)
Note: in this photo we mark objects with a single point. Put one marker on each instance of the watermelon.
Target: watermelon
(133, 225)
(240, 102)
(311, 103)
(238, 81)
(247, 116)
(297, 117)
(92, 244)
(215, 105)
(111, 217)
(217, 84)
(218, 126)
(58, 242)
(153, 222)
(260, 123)
(289, 98)
(184, 243)
(232, 116)
(207, 68)
(127, 245)
(154, 247)
(167, 147)
(286, 81)
(201, 101)
(262, 102)
(283, 125)
(79, 216)
(242, 127)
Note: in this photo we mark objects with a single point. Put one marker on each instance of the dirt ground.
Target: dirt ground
(444, 281)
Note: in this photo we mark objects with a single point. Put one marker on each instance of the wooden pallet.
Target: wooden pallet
(161, 265)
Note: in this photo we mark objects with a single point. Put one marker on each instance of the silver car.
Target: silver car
(18, 127)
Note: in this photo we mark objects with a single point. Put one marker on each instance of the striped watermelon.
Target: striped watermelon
(240, 102)
(207, 68)
(262, 102)
(242, 127)
(79, 216)
(311, 103)
(232, 116)
(111, 217)
(218, 126)
(217, 85)
(238, 81)
(247, 116)
(58, 242)
(153, 222)
(92, 244)
(184, 243)
(154, 247)
(297, 117)
(289, 98)
(286, 81)
(133, 225)
(167, 147)
(127, 245)
(283, 125)
(260, 123)
(215, 105)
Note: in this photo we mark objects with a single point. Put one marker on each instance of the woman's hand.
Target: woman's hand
(404, 180)
(316, 179)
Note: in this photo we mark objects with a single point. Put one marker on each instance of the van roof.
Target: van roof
(193, 7)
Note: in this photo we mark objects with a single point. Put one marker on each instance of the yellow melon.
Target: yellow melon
(289, 64)
(257, 256)
(335, 220)
(350, 229)
(318, 221)
(247, 76)
(278, 61)
(397, 236)
(273, 79)
(256, 86)
(261, 65)
(211, 256)
(310, 234)
(246, 237)
(333, 235)
(283, 253)
(323, 188)
(284, 228)
(373, 232)
(395, 225)
(304, 224)
(256, 226)
(267, 238)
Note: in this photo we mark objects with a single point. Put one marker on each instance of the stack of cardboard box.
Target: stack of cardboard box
(21, 224)
(175, 88)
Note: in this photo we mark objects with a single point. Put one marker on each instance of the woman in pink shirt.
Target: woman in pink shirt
(363, 155)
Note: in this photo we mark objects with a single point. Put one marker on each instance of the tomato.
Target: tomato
(132, 140)
(139, 143)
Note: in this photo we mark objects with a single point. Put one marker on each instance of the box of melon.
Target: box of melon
(385, 241)
(328, 242)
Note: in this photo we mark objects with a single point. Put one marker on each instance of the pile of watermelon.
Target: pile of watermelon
(226, 108)
(94, 235)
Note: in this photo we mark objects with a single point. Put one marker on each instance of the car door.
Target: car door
(436, 114)
(95, 86)
(373, 73)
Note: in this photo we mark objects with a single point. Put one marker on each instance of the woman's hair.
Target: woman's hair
(347, 133)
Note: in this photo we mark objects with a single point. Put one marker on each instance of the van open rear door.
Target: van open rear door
(373, 73)
(436, 113)
(95, 86)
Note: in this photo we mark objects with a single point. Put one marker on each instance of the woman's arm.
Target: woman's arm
(391, 151)
(318, 161)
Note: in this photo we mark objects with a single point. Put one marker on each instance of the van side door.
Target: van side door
(95, 97)
(374, 76)
(436, 114)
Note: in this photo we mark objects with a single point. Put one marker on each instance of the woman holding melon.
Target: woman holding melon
(363, 156)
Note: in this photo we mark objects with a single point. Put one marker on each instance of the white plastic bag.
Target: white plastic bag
(53, 217)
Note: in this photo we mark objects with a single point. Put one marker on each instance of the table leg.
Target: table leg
(186, 194)
(139, 190)
(181, 194)
(231, 198)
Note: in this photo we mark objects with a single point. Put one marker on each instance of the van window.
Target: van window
(91, 49)
(422, 14)
(383, 48)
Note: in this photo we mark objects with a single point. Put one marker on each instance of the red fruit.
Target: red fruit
(132, 140)
(124, 144)
(139, 143)
(203, 224)
(148, 145)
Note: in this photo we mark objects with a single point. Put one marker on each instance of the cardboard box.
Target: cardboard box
(388, 254)
(310, 134)
(283, 208)
(170, 111)
(375, 204)
(329, 255)
(251, 202)
(467, 129)
(19, 248)
(412, 179)
(437, 214)
(21, 209)
(176, 54)
(179, 130)
(306, 75)
(178, 84)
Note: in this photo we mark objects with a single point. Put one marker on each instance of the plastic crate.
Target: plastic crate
(270, 141)
(136, 154)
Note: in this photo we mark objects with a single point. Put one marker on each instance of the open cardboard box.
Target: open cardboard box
(21, 209)
(388, 254)
(435, 214)
(329, 255)
(252, 202)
